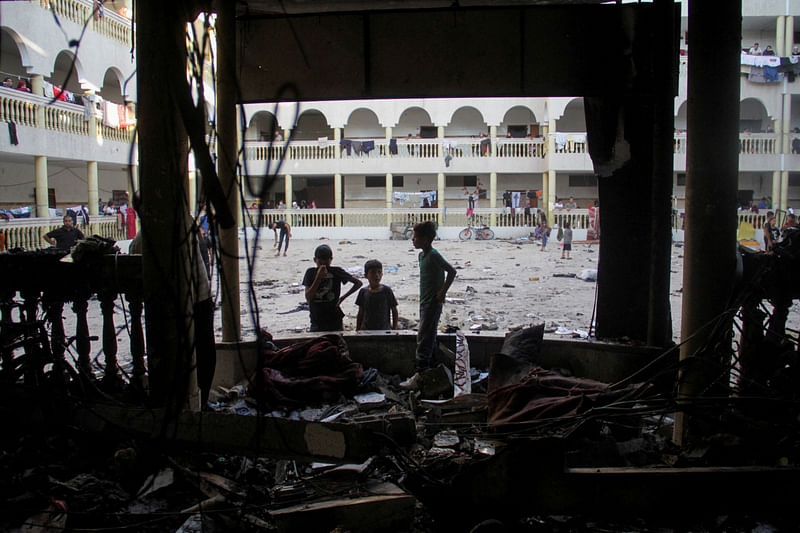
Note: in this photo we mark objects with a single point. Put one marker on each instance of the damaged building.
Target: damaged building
(520, 433)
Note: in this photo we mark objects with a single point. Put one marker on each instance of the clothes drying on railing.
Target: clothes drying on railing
(92, 106)
(760, 61)
(322, 142)
(561, 141)
(393, 146)
(402, 197)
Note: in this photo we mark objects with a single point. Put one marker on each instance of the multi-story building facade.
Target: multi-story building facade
(355, 154)
(69, 140)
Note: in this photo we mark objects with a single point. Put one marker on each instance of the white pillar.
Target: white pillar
(337, 196)
(545, 194)
(389, 187)
(776, 189)
(789, 33)
(42, 196)
(287, 190)
(440, 137)
(388, 140)
(785, 131)
(493, 137)
(337, 137)
(551, 194)
(92, 182)
(493, 197)
(784, 189)
(37, 87)
(780, 36)
(440, 196)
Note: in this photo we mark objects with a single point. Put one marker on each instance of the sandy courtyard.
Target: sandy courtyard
(500, 284)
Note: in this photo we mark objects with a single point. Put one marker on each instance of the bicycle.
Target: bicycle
(481, 233)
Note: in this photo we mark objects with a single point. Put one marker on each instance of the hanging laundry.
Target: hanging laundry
(47, 88)
(347, 144)
(322, 142)
(367, 146)
(12, 134)
(393, 146)
(110, 114)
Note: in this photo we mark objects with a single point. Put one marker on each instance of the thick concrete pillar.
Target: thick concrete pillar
(93, 185)
(789, 36)
(712, 161)
(226, 166)
(492, 197)
(440, 137)
(42, 194)
(337, 137)
(287, 190)
(786, 124)
(493, 137)
(389, 190)
(780, 36)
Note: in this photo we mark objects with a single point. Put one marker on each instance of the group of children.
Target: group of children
(377, 305)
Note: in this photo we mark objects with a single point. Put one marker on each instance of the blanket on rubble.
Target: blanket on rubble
(317, 370)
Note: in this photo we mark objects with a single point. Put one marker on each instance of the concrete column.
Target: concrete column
(545, 194)
(786, 125)
(337, 137)
(42, 196)
(287, 190)
(493, 197)
(551, 136)
(92, 181)
(493, 137)
(226, 167)
(780, 36)
(551, 195)
(37, 84)
(440, 196)
(37, 87)
(388, 138)
(337, 196)
(784, 189)
(776, 189)
(389, 187)
(440, 136)
(789, 35)
(712, 165)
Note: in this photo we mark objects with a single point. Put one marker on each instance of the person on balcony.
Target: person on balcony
(285, 232)
(771, 232)
(755, 50)
(22, 85)
(8, 82)
(571, 204)
(65, 237)
(769, 51)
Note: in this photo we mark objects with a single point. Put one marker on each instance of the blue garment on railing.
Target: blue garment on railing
(356, 147)
(393, 146)
(347, 144)
(368, 146)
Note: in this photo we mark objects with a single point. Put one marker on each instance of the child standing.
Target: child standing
(567, 240)
(323, 285)
(433, 286)
(545, 234)
(376, 302)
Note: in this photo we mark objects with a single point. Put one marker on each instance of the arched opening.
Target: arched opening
(11, 59)
(67, 72)
(573, 119)
(311, 125)
(263, 127)
(411, 122)
(363, 123)
(466, 122)
(680, 118)
(753, 116)
(112, 87)
(519, 121)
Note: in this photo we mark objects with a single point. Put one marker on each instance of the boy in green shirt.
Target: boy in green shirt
(433, 286)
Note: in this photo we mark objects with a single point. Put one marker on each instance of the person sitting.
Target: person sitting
(755, 50)
(8, 82)
(769, 51)
(23, 86)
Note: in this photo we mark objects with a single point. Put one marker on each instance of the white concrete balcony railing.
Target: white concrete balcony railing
(108, 24)
(28, 233)
(38, 112)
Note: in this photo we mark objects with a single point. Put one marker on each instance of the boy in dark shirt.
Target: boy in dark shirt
(376, 301)
(323, 285)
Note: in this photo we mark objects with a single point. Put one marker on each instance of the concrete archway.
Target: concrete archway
(466, 121)
(363, 122)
